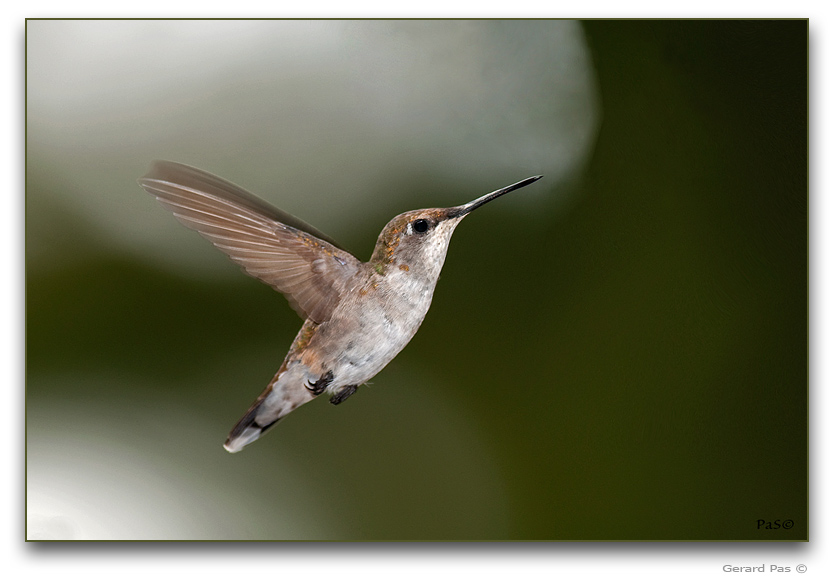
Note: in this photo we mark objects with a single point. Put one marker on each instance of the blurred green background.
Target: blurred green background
(616, 353)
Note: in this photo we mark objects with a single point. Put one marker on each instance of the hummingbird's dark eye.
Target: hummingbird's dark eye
(421, 226)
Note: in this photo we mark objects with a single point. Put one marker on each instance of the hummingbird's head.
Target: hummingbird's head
(417, 240)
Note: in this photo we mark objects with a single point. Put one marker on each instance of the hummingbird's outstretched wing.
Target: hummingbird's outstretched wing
(271, 245)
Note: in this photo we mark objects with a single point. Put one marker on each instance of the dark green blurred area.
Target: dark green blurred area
(635, 366)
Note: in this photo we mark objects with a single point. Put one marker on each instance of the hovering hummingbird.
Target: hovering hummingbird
(357, 315)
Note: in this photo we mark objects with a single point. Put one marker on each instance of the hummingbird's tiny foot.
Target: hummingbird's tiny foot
(343, 394)
(318, 387)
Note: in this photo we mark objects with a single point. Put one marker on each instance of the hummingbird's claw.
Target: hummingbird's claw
(343, 394)
(318, 387)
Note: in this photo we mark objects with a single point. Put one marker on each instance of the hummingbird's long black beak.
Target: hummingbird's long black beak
(462, 210)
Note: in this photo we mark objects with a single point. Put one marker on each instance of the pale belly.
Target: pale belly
(357, 342)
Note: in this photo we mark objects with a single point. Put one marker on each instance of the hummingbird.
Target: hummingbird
(357, 315)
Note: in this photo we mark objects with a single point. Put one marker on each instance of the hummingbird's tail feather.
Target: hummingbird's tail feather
(246, 431)
(278, 400)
